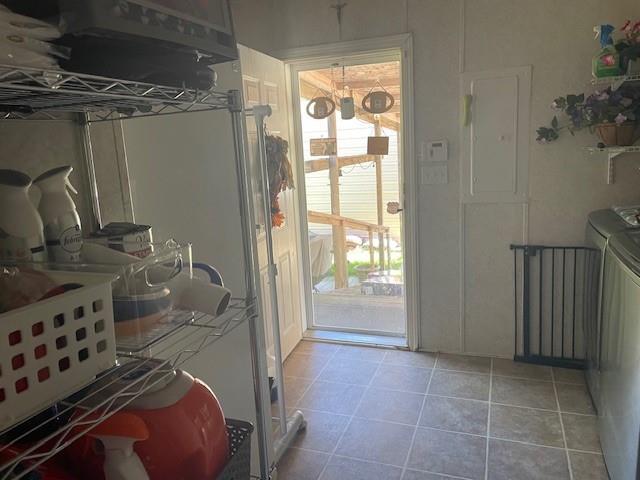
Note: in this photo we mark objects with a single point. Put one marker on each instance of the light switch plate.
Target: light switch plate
(435, 175)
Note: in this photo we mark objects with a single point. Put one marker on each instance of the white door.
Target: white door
(264, 83)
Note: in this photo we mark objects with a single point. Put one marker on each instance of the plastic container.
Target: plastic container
(52, 348)
(239, 466)
(21, 234)
(147, 292)
(62, 229)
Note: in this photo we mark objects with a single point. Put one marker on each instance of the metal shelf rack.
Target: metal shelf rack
(184, 343)
(612, 153)
(46, 94)
(31, 93)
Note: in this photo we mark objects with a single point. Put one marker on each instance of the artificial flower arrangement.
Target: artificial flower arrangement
(280, 175)
(613, 114)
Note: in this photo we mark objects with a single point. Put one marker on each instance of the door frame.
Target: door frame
(375, 50)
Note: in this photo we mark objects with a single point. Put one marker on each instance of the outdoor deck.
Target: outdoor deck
(348, 308)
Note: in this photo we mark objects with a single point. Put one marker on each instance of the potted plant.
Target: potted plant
(613, 115)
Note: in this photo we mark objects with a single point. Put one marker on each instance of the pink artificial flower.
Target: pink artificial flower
(602, 96)
(620, 118)
(626, 27)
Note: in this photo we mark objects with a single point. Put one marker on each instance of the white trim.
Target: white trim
(522, 119)
(397, 47)
(293, 91)
(312, 54)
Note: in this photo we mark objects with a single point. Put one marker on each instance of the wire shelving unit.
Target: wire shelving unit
(47, 94)
(31, 93)
(91, 406)
(612, 153)
(616, 82)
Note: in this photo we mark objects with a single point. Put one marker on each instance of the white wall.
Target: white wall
(475, 315)
(36, 146)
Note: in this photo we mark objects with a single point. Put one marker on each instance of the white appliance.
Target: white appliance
(619, 412)
(601, 225)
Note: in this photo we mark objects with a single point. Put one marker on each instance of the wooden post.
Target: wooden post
(388, 249)
(378, 163)
(339, 237)
(372, 253)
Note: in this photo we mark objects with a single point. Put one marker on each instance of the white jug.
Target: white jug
(62, 229)
(21, 232)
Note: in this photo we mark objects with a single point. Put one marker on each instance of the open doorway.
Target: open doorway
(349, 125)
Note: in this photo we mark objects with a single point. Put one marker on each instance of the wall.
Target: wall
(465, 264)
(36, 146)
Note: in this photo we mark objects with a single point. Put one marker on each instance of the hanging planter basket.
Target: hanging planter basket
(617, 135)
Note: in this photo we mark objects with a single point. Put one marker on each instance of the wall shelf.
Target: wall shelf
(30, 93)
(616, 82)
(611, 153)
(86, 411)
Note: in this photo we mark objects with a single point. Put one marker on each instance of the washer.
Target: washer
(619, 362)
(601, 225)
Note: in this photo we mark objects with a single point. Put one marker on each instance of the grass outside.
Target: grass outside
(360, 257)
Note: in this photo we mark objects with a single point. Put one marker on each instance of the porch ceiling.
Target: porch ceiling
(360, 79)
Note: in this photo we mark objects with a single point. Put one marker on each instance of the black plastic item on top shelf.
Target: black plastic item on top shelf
(239, 465)
(140, 62)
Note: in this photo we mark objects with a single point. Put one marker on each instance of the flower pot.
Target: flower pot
(617, 135)
(363, 271)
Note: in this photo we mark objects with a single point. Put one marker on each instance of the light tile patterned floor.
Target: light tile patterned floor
(376, 414)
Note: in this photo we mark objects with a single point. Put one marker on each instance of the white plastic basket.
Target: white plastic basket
(52, 348)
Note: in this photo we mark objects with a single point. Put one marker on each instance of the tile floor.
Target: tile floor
(376, 414)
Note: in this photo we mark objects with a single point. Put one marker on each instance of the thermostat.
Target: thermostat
(436, 151)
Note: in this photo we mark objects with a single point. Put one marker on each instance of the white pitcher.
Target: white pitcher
(21, 232)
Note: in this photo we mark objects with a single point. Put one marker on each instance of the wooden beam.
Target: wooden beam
(333, 219)
(379, 208)
(387, 120)
(372, 253)
(386, 82)
(339, 237)
(318, 164)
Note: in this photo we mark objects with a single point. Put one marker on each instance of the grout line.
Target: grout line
(372, 462)
(491, 437)
(502, 404)
(312, 381)
(415, 432)
(369, 386)
(564, 436)
(486, 452)
(335, 448)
